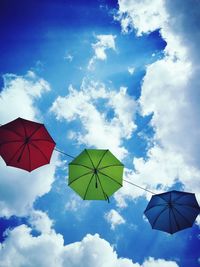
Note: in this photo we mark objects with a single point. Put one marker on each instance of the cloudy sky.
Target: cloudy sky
(120, 75)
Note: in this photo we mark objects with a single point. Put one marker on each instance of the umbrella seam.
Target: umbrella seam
(184, 194)
(40, 151)
(104, 193)
(182, 215)
(42, 139)
(177, 224)
(194, 207)
(117, 165)
(89, 157)
(153, 224)
(154, 207)
(88, 186)
(21, 153)
(11, 130)
(74, 164)
(102, 158)
(110, 178)
(8, 142)
(29, 154)
(40, 125)
(79, 177)
(14, 154)
(170, 223)
(162, 197)
(22, 123)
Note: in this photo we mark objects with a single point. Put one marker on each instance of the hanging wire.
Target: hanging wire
(123, 179)
(64, 153)
(139, 187)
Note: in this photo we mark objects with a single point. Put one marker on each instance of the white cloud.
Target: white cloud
(98, 129)
(40, 221)
(48, 249)
(144, 16)
(19, 95)
(22, 249)
(104, 42)
(114, 218)
(75, 203)
(151, 262)
(198, 222)
(19, 189)
(158, 173)
(131, 70)
(169, 92)
(68, 57)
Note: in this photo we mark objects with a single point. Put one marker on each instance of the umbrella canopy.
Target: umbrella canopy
(172, 211)
(25, 144)
(95, 174)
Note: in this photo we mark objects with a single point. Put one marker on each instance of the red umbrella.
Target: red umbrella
(25, 144)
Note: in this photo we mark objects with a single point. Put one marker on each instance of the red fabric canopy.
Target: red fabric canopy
(25, 144)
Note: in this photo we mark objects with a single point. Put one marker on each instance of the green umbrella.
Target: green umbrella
(95, 174)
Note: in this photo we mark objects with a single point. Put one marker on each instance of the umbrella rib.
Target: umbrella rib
(183, 195)
(36, 130)
(170, 223)
(88, 186)
(41, 139)
(162, 197)
(191, 206)
(90, 158)
(159, 216)
(40, 151)
(154, 207)
(182, 215)
(177, 224)
(20, 156)
(114, 165)
(29, 155)
(179, 204)
(105, 195)
(13, 131)
(24, 128)
(15, 154)
(102, 158)
(8, 142)
(110, 178)
(74, 164)
(79, 177)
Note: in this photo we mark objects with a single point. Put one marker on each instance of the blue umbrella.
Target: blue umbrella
(172, 211)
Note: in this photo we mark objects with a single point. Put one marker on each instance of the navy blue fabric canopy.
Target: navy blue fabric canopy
(172, 211)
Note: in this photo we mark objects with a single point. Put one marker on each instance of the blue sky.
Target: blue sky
(100, 74)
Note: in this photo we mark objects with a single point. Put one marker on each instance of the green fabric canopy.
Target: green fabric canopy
(95, 174)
